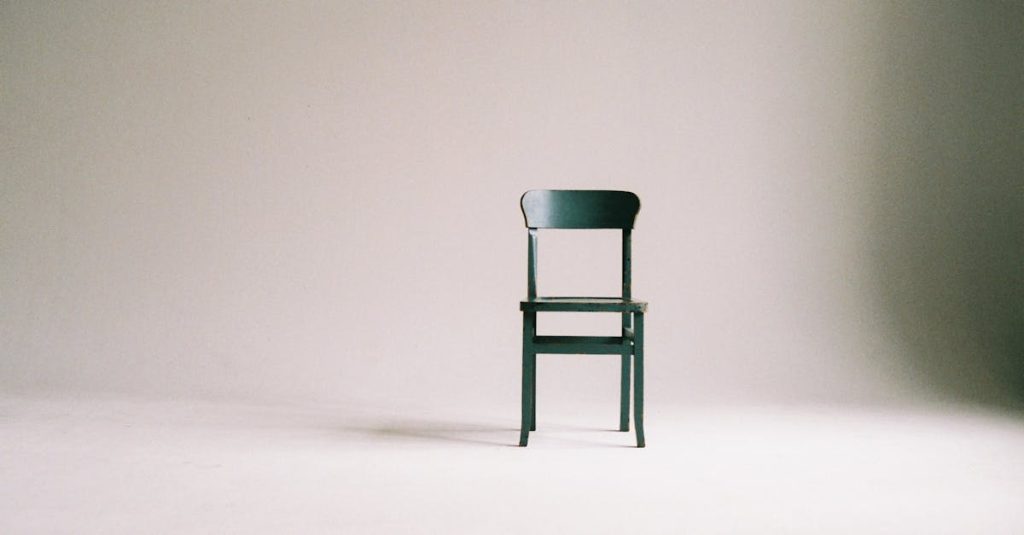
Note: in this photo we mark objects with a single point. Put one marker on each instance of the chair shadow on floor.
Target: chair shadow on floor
(454, 432)
(438, 431)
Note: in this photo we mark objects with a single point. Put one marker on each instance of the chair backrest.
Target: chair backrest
(580, 209)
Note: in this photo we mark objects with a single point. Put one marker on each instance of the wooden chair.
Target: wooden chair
(581, 209)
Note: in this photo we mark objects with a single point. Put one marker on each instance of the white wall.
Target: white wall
(319, 200)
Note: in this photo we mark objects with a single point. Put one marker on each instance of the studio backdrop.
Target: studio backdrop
(319, 202)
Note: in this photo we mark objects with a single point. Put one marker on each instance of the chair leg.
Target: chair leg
(529, 366)
(638, 378)
(533, 391)
(624, 393)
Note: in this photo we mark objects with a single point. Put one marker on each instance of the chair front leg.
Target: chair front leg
(638, 378)
(529, 376)
(533, 391)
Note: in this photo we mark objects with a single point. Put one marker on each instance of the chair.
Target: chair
(581, 209)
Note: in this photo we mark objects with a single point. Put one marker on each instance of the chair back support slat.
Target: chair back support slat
(627, 274)
(531, 269)
(579, 209)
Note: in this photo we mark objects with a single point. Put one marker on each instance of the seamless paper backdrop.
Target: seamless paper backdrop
(318, 201)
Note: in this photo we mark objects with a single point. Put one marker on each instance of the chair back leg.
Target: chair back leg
(624, 392)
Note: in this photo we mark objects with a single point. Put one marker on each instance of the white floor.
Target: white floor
(122, 466)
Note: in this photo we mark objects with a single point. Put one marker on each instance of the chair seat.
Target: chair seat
(582, 304)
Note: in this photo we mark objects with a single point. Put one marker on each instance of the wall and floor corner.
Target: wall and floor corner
(315, 205)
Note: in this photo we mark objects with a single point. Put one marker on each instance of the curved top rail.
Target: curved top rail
(579, 209)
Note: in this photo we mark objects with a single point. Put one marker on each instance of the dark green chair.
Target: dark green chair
(582, 209)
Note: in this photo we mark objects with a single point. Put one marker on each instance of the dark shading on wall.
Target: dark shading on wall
(948, 201)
